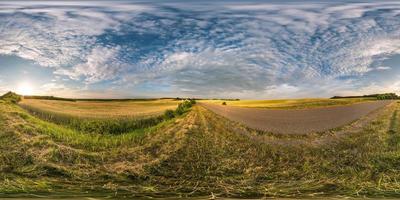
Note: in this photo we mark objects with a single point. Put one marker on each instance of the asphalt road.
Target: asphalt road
(296, 121)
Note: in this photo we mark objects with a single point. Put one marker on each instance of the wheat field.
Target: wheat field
(104, 109)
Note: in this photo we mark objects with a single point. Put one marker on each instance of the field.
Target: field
(290, 103)
(198, 153)
(104, 109)
(102, 117)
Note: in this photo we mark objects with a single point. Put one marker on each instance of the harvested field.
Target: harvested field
(291, 103)
(296, 121)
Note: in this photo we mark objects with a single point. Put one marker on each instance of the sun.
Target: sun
(25, 89)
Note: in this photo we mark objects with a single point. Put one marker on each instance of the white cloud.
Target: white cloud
(62, 90)
(53, 86)
(381, 68)
(313, 47)
(58, 33)
(380, 88)
(101, 64)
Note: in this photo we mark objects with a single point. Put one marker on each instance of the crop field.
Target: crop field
(291, 103)
(197, 153)
(103, 117)
(103, 109)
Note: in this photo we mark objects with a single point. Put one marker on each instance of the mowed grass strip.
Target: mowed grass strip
(290, 103)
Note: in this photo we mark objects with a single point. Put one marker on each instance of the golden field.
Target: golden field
(104, 109)
(290, 103)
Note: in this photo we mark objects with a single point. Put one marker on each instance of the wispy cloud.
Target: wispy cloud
(101, 64)
(57, 34)
(383, 68)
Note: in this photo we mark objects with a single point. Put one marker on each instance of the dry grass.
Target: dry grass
(290, 103)
(104, 109)
(198, 154)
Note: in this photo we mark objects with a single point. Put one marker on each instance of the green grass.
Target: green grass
(196, 154)
(92, 141)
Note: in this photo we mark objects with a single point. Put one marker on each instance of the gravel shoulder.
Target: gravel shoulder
(296, 121)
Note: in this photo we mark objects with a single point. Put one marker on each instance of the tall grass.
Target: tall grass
(92, 142)
(112, 125)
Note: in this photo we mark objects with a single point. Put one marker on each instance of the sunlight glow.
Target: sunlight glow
(25, 89)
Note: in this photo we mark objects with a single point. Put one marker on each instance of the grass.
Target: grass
(290, 103)
(84, 140)
(196, 154)
(11, 97)
(42, 157)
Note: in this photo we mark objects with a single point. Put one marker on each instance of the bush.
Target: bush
(184, 106)
(224, 103)
(180, 109)
(11, 97)
(169, 114)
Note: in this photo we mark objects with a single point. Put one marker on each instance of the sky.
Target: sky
(213, 49)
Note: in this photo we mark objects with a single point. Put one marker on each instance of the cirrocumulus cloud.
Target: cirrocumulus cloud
(244, 50)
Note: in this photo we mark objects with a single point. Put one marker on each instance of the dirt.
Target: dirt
(296, 121)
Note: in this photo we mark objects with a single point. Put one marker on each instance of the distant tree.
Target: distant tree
(224, 103)
(386, 96)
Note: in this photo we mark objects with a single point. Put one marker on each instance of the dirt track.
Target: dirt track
(296, 121)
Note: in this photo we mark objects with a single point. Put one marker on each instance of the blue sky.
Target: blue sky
(226, 49)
